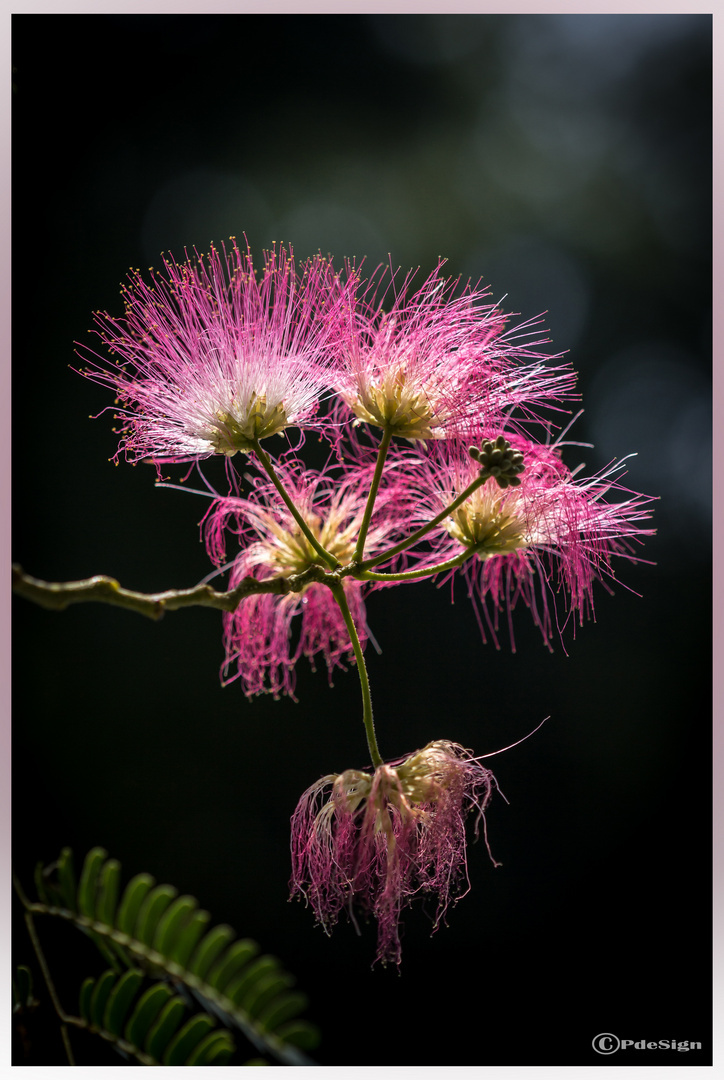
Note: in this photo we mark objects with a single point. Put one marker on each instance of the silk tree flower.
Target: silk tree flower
(268, 633)
(212, 357)
(549, 532)
(373, 841)
(436, 362)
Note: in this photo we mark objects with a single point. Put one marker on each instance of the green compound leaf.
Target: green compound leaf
(151, 1034)
(281, 1010)
(188, 940)
(153, 929)
(86, 993)
(146, 1012)
(165, 1028)
(106, 901)
(215, 1049)
(119, 1001)
(109, 880)
(99, 997)
(243, 990)
(171, 924)
(66, 879)
(266, 989)
(213, 944)
(188, 1038)
(151, 911)
(133, 898)
(235, 957)
(89, 882)
(299, 1033)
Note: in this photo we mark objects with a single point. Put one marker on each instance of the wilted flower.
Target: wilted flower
(212, 358)
(262, 647)
(372, 841)
(549, 531)
(436, 362)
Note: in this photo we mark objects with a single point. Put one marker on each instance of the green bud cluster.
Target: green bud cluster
(499, 460)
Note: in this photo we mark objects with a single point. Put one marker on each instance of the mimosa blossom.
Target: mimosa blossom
(370, 842)
(260, 637)
(553, 533)
(212, 357)
(437, 362)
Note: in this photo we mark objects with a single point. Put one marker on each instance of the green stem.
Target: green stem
(271, 473)
(338, 593)
(382, 454)
(412, 575)
(56, 596)
(62, 1015)
(418, 535)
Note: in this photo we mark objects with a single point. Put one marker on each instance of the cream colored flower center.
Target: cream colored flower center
(353, 788)
(416, 782)
(391, 401)
(253, 420)
(290, 552)
(489, 521)
(421, 774)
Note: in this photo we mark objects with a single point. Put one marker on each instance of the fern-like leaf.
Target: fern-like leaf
(150, 927)
(148, 1026)
(61, 890)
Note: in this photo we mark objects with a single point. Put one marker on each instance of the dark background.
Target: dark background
(566, 160)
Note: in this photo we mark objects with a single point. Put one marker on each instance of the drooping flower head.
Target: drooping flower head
(370, 842)
(266, 635)
(548, 531)
(212, 356)
(436, 362)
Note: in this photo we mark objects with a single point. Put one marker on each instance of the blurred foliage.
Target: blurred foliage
(148, 934)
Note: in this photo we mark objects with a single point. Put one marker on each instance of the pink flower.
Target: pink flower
(436, 362)
(372, 841)
(212, 357)
(262, 646)
(552, 532)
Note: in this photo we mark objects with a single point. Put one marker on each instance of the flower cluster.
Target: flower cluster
(429, 401)
(213, 358)
(375, 840)
(261, 648)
